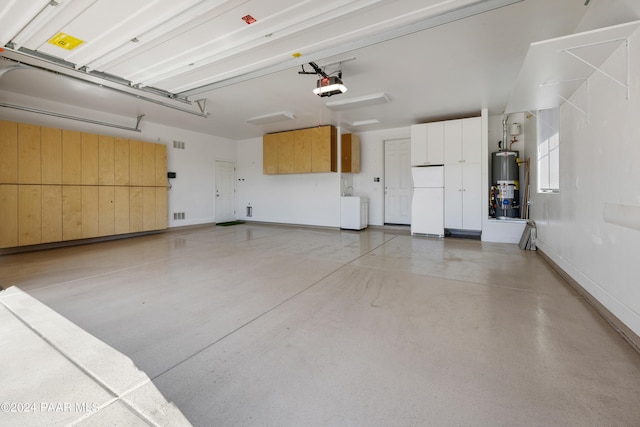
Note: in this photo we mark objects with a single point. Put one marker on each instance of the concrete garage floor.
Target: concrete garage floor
(276, 325)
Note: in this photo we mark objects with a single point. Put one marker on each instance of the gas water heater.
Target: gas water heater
(504, 198)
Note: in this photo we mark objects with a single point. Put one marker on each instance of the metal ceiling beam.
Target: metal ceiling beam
(75, 118)
(463, 12)
(28, 62)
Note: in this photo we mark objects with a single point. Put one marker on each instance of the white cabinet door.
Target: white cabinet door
(453, 142)
(453, 196)
(471, 196)
(435, 143)
(471, 140)
(418, 145)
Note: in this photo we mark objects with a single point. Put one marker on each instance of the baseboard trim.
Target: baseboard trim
(631, 337)
(66, 243)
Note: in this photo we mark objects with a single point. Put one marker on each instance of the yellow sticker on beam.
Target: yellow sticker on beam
(65, 41)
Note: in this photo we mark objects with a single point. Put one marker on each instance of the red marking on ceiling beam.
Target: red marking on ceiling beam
(249, 19)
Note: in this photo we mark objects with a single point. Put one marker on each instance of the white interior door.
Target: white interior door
(397, 181)
(225, 191)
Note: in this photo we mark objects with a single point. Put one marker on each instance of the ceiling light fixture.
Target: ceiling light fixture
(361, 101)
(328, 86)
(271, 118)
(364, 122)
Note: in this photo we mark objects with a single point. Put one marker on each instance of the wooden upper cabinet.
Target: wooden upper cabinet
(71, 157)
(8, 152)
(90, 159)
(29, 151)
(51, 158)
(106, 160)
(285, 153)
(121, 162)
(323, 149)
(350, 153)
(161, 165)
(135, 162)
(270, 154)
(301, 151)
(148, 164)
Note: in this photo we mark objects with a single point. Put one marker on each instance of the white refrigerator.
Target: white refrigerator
(427, 205)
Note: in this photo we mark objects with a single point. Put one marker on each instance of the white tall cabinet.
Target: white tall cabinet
(463, 174)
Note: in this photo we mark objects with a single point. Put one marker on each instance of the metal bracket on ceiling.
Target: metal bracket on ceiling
(541, 121)
(202, 104)
(139, 118)
(569, 52)
(573, 104)
(586, 113)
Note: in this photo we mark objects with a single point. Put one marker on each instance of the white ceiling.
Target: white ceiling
(198, 49)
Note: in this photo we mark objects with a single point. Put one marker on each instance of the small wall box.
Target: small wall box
(171, 174)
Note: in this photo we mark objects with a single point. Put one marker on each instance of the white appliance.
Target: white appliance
(354, 212)
(427, 205)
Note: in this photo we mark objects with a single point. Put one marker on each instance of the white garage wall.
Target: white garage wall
(193, 191)
(372, 166)
(308, 199)
(598, 164)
